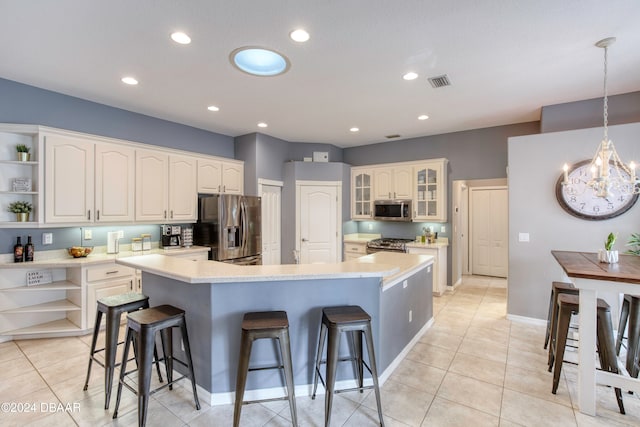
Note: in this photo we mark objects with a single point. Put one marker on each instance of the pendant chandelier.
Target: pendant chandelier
(609, 175)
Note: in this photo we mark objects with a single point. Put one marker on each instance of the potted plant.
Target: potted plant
(607, 254)
(23, 152)
(634, 242)
(21, 209)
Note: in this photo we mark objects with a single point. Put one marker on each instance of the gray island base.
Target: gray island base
(394, 288)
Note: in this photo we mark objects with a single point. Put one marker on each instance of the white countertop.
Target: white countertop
(61, 259)
(427, 245)
(386, 265)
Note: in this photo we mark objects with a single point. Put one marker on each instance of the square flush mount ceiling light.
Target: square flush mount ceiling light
(259, 61)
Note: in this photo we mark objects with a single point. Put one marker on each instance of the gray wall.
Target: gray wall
(474, 154)
(311, 171)
(25, 104)
(624, 108)
(535, 163)
(246, 150)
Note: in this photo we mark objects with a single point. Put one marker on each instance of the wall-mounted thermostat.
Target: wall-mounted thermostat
(320, 156)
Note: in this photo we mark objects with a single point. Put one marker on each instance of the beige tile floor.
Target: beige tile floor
(473, 367)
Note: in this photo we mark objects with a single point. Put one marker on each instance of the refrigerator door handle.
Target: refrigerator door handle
(244, 222)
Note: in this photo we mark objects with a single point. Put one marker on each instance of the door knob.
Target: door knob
(304, 240)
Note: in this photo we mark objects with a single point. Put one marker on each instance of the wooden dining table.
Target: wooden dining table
(591, 276)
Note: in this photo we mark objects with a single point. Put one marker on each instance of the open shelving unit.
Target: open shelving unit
(11, 168)
(48, 309)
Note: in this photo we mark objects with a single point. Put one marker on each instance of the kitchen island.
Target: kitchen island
(394, 288)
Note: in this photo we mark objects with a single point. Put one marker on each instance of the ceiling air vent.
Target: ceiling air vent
(392, 136)
(439, 81)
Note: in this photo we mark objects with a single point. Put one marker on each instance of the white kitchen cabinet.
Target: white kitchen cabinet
(106, 280)
(430, 183)
(393, 182)
(217, 176)
(354, 250)
(439, 253)
(165, 187)
(11, 169)
(152, 185)
(114, 183)
(361, 192)
(183, 197)
(69, 179)
(51, 309)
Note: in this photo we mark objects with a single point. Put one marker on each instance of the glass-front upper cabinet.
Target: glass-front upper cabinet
(431, 191)
(361, 192)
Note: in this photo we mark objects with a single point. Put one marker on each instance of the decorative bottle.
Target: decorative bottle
(28, 250)
(18, 251)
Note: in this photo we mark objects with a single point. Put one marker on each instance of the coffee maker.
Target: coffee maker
(170, 236)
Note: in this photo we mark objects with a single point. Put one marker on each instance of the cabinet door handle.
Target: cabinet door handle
(112, 272)
(394, 194)
(131, 285)
(165, 214)
(219, 189)
(224, 188)
(171, 213)
(89, 214)
(98, 215)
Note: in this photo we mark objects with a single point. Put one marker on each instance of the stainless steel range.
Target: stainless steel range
(388, 245)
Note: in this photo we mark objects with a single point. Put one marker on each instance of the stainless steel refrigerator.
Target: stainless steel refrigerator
(231, 226)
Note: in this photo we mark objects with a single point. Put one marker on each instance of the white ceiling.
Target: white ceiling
(505, 59)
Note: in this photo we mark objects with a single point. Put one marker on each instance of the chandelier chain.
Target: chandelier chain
(606, 101)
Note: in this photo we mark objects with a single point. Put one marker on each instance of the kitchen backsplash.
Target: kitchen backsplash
(73, 236)
(401, 230)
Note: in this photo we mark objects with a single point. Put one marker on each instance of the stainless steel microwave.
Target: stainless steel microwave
(392, 210)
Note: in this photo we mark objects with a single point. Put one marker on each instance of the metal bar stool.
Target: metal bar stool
(630, 312)
(141, 329)
(557, 288)
(335, 320)
(113, 307)
(568, 305)
(257, 325)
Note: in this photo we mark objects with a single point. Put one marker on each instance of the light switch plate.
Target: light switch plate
(47, 238)
(523, 237)
(88, 234)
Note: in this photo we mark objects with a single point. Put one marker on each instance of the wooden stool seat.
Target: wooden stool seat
(557, 288)
(142, 327)
(112, 307)
(259, 325)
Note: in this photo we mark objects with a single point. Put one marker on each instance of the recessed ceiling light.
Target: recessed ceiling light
(354, 129)
(299, 35)
(262, 125)
(410, 76)
(129, 80)
(213, 108)
(259, 61)
(181, 38)
(423, 117)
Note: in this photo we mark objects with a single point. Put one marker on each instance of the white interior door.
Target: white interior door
(489, 231)
(319, 215)
(271, 212)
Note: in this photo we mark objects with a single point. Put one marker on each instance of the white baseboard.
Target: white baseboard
(527, 320)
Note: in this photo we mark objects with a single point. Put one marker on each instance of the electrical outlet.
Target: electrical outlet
(88, 234)
(443, 229)
(370, 227)
(120, 234)
(47, 238)
(404, 284)
(410, 316)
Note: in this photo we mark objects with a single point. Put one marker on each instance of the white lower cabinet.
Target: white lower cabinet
(51, 309)
(354, 250)
(106, 280)
(439, 254)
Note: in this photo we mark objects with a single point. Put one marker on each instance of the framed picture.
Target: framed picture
(21, 184)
